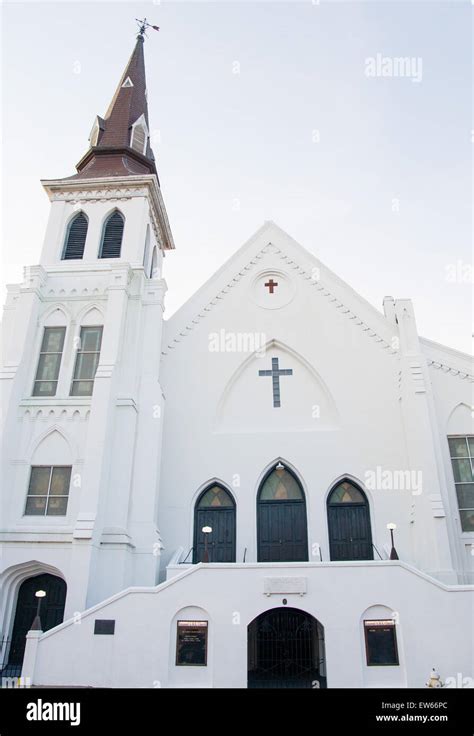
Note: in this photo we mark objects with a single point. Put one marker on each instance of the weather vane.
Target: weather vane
(143, 25)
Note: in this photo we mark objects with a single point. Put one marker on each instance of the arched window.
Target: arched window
(350, 536)
(215, 509)
(75, 237)
(154, 264)
(52, 612)
(281, 518)
(112, 236)
(146, 250)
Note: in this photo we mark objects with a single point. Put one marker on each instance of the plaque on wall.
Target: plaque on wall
(272, 586)
(191, 643)
(381, 643)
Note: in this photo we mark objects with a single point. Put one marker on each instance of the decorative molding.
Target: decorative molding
(63, 410)
(118, 189)
(322, 290)
(449, 369)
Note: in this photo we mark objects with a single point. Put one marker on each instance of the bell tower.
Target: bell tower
(81, 373)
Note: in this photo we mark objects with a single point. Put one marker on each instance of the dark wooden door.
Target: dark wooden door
(221, 542)
(282, 533)
(349, 532)
(51, 614)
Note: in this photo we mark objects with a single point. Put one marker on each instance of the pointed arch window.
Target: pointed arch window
(214, 509)
(154, 264)
(112, 236)
(282, 533)
(350, 535)
(75, 238)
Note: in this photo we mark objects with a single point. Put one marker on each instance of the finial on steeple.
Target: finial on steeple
(142, 26)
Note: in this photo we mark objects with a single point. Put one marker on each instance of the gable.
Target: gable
(272, 253)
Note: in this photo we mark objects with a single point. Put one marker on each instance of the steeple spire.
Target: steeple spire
(120, 144)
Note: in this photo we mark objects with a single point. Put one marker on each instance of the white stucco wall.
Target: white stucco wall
(433, 627)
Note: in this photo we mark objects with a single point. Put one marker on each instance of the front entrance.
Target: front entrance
(350, 537)
(215, 509)
(281, 518)
(286, 650)
(51, 613)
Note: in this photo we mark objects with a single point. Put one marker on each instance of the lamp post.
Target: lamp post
(206, 530)
(36, 625)
(393, 551)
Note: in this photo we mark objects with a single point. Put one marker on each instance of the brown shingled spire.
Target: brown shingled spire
(113, 152)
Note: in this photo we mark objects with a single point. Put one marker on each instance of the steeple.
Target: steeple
(120, 144)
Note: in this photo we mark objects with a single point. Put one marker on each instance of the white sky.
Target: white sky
(234, 150)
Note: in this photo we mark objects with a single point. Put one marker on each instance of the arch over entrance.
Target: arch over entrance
(215, 508)
(350, 536)
(286, 650)
(282, 534)
(51, 614)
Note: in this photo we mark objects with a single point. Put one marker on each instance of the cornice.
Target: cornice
(450, 369)
(108, 189)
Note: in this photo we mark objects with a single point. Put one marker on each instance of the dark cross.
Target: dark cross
(271, 284)
(275, 373)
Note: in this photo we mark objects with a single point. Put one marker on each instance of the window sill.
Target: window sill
(55, 401)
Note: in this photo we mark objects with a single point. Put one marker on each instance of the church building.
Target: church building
(271, 488)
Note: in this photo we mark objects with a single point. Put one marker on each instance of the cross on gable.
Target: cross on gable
(271, 284)
(275, 373)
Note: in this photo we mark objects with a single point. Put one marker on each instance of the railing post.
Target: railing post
(29, 660)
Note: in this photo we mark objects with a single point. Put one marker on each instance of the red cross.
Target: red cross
(271, 284)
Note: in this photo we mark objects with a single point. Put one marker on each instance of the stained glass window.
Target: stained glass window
(215, 497)
(346, 492)
(281, 485)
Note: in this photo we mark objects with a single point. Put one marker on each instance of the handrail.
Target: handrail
(183, 562)
(375, 548)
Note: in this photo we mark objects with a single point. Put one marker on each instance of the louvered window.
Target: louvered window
(112, 236)
(76, 238)
(139, 138)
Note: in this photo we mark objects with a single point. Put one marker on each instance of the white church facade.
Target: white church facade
(208, 500)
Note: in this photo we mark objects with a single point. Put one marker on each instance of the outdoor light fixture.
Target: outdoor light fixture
(36, 625)
(206, 530)
(279, 469)
(393, 551)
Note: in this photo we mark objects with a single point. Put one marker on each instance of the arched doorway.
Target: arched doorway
(215, 507)
(286, 650)
(51, 614)
(350, 536)
(281, 518)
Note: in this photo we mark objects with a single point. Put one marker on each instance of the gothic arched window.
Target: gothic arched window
(215, 509)
(75, 237)
(112, 236)
(350, 536)
(281, 518)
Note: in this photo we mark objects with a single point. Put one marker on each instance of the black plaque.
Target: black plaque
(191, 644)
(381, 643)
(104, 626)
